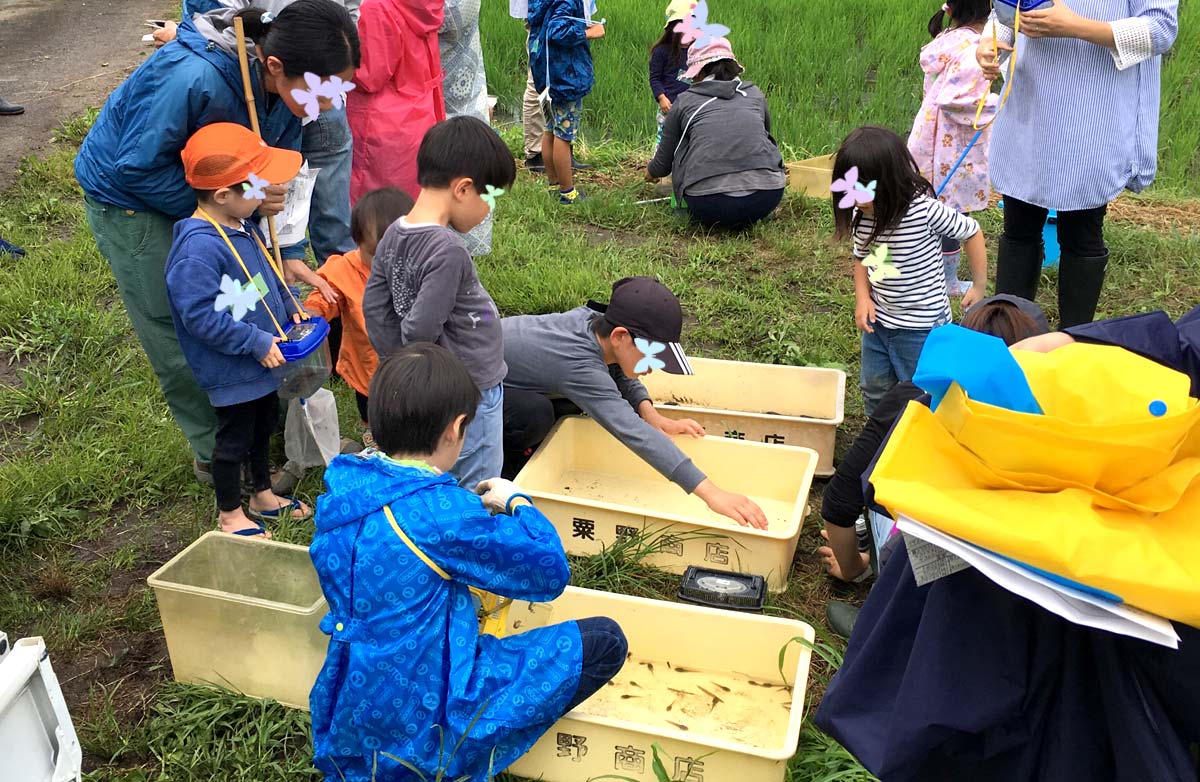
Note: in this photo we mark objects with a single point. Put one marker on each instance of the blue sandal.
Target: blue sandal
(250, 532)
(291, 510)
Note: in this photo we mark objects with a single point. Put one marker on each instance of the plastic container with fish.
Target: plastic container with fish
(307, 364)
(596, 491)
(243, 614)
(704, 684)
(770, 403)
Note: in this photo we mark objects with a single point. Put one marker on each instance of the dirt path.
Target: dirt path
(57, 57)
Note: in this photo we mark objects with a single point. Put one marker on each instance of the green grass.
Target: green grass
(96, 490)
(826, 69)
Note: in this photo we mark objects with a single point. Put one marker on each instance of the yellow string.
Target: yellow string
(267, 254)
(387, 511)
(249, 279)
(1012, 67)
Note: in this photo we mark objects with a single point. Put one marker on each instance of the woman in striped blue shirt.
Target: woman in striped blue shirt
(1080, 126)
(898, 228)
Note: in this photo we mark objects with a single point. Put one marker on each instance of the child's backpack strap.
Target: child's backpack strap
(387, 511)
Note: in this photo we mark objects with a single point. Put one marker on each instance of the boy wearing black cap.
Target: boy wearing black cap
(592, 356)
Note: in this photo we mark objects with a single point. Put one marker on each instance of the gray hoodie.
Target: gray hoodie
(558, 355)
(727, 138)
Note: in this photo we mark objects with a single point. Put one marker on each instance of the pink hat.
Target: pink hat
(718, 49)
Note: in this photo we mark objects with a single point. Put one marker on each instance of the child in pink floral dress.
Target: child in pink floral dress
(954, 84)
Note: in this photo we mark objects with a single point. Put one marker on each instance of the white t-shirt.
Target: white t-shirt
(518, 9)
(917, 298)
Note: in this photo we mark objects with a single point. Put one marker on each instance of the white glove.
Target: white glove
(496, 492)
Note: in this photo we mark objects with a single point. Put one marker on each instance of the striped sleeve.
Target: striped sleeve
(949, 223)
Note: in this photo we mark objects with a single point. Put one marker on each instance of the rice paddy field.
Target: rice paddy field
(826, 68)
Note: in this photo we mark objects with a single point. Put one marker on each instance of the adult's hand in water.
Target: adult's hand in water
(738, 507)
(988, 56)
(273, 203)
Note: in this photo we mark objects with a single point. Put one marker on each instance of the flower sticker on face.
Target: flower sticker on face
(696, 27)
(490, 195)
(256, 187)
(332, 88)
(648, 350)
(856, 193)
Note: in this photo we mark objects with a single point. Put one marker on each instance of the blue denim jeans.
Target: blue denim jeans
(326, 144)
(889, 356)
(482, 454)
(604, 650)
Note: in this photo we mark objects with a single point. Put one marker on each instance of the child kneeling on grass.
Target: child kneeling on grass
(348, 274)
(229, 305)
(398, 545)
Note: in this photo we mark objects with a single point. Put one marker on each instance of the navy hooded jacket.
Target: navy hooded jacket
(131, 156)
(557, 32)
(223, 349)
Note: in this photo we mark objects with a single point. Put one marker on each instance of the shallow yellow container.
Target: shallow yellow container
(811, 177)
(596, 491)
(243, 614)
(769, 403)
(702, 683)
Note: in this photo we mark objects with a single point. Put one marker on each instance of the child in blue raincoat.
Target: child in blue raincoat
(560, 59)
(398, 545)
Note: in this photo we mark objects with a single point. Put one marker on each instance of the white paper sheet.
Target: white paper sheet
(1071, 604)
(292, 223)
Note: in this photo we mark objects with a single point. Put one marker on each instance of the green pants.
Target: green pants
(136, 245)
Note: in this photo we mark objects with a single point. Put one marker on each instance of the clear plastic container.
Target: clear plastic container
(704, 684)
(596, 491)
(307, 362)
(243, 614)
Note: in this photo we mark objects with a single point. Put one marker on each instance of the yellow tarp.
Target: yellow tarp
(1097, 490)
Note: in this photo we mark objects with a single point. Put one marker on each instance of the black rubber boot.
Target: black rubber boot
(1019, 268)
(841, 617)
(10, 109)
(1080, 281)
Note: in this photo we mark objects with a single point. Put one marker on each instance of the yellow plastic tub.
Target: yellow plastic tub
(596, 491)
(243, 614)
(769, 403)
(811, 177)
(703, 684)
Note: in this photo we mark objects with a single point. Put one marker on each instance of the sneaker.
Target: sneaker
(575, 196)
(287, 481)
(535, 163)
(202, 471)
(579, 165)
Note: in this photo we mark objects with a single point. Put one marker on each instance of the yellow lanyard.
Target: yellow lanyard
(249, 279)
(1012, 67)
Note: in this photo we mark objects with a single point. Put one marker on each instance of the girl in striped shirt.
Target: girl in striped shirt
(899, 279)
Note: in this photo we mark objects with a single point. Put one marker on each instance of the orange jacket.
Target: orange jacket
(348, 275)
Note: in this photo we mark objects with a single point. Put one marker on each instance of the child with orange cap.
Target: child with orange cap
(357, 360)
(229, 305)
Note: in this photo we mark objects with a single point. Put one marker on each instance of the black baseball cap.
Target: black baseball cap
(648, 309)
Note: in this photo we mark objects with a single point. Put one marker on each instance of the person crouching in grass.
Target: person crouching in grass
(398, 546)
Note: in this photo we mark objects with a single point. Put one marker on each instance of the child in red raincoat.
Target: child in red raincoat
(398, 94)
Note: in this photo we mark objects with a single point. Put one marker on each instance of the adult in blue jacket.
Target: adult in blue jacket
(132, 175)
